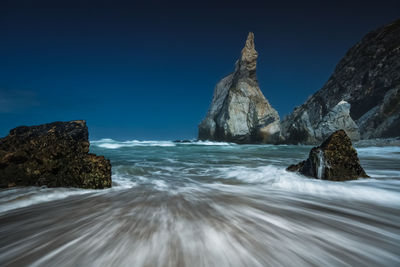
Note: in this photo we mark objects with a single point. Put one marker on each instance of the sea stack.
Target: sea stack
(365, 85)
(239, 112)
(53, 155)
(335, 159)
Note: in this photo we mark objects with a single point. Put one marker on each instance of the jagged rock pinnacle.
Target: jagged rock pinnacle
(248, 59)
(239, 111)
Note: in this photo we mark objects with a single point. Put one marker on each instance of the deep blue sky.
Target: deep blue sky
(148, 71)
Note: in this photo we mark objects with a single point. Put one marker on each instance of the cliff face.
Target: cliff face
(239, 112)
(368, 79)
(54, 154)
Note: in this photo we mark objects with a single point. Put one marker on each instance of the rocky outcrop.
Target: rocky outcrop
(239, 112)
(337, 118)
(368, 79)
(54, 155)
(335, 159)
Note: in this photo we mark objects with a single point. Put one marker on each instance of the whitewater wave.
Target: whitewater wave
(208, 143)
(272, 177)
(379, 152)
(113, 144)
(22, 197)
(121, 182)
(247, 168)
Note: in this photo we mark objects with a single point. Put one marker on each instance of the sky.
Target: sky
(147, 70)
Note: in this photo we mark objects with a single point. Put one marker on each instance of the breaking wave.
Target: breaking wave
(113, 144)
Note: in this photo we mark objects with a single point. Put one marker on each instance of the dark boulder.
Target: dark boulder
(55, 155)
(335, 159)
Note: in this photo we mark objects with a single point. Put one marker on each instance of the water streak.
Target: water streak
(194, 204)
(321, 164)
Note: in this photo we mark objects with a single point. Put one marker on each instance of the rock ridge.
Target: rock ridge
(368, 79)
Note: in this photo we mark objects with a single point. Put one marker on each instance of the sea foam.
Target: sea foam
(277, 178)
(113, 144)
(22, 197)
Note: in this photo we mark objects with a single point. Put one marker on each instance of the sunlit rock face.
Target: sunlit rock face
(335, 159)
(368, 79)
(239, 112)
(54, 155)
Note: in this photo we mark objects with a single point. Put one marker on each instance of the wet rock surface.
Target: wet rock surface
(239, 112)
(335, 159)
(53, 155)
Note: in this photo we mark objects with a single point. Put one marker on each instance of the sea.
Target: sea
(208, 204)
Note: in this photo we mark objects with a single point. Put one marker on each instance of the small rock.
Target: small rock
(335, 159)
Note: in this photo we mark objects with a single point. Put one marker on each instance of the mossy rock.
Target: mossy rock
(55, 155)
(335, 159)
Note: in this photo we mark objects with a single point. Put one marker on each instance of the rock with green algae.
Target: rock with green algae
(335, 159)
(55, 155)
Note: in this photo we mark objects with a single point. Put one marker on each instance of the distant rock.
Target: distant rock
(335, 159)
(337, 118)
(239, 112)
(368, 79)
(54, 155)
(183, 141)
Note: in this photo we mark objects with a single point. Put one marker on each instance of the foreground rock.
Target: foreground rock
(54, 154)
(239, 111)
(368, 79)
(335, 159)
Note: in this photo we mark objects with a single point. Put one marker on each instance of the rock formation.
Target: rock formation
(337, 118)
(335, 159)
(368, 79)
(54, 154)
(239, 111)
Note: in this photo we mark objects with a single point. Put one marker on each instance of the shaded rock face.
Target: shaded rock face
(337, 118)
(239, 112)
(368, 78)
(335, 159)
(55, 155)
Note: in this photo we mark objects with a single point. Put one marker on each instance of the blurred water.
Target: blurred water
(208, 204)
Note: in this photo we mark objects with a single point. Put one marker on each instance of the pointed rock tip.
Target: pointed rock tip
(249, 54)
(250, 40)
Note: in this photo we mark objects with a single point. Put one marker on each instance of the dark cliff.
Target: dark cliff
(368, 79)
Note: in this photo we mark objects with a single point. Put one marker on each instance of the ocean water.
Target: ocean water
(208, 204)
